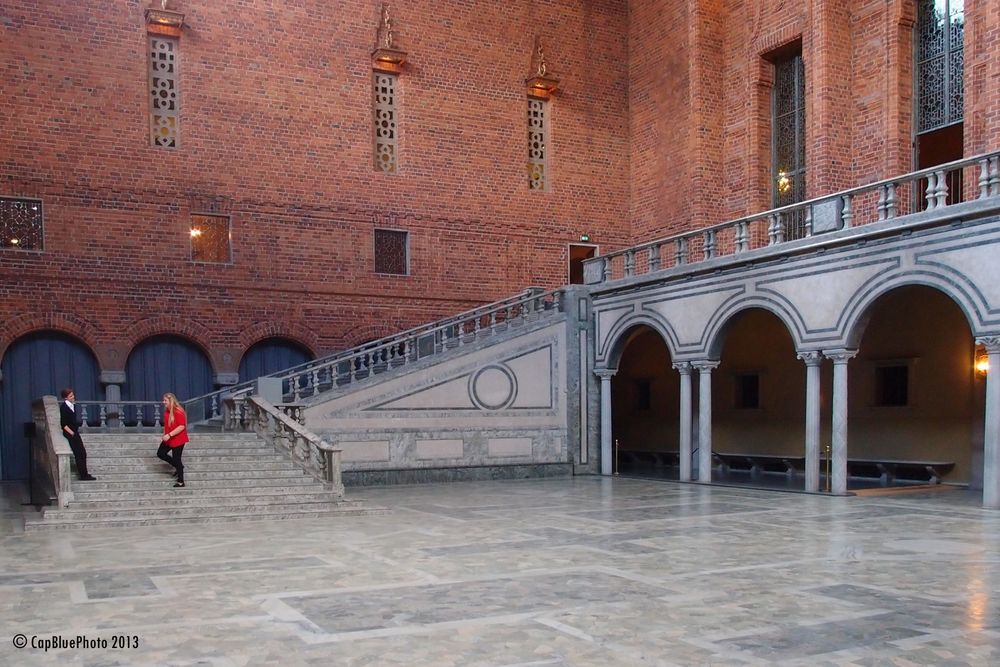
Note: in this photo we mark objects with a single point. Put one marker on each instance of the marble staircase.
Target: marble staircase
(229, 476)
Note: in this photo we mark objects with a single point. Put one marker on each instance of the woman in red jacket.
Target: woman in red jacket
(175, 435)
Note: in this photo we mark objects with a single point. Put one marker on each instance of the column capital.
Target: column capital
(605, 373)
(991, 343)
(840, 356)
(706, 365)
(811, 357)
(111, 377)
(683, 367)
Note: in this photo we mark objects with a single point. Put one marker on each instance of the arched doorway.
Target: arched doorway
(758, 404)
(645, 399)
(40, 363)
(166, 363)
(270, 356)
(913, 395)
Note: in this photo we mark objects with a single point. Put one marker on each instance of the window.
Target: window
(788, 138)
(386, 146)
(392, 254)
(210, 238)
(537, 138)
(163, 103)
(643, 394)
(748, 391)
(892, 385)
(21, 223)
(940, 95)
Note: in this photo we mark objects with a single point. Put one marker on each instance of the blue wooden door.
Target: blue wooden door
(270, 356)
(40, 363)
(166, 363)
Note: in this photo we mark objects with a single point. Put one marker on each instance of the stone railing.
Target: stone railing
(317, 457)
(121, 415)
(925, 193)
(375, 357)
(50, 452)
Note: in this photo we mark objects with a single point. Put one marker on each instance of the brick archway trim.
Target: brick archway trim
(63, 322)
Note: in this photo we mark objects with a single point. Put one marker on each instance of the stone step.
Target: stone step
(111, 462)
(200, 503)
(156, 482)
(156, 465)
(194, 475)
(154, 436)
(150, 452)
(80, 498)
(173, 517)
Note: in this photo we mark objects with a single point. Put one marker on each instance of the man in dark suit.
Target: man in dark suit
(71, 431)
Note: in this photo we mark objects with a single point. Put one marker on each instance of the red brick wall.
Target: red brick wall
(276, 130)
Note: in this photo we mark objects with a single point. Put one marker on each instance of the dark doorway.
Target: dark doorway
(577, 254)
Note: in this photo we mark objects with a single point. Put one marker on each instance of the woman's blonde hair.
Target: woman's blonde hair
(172, 404)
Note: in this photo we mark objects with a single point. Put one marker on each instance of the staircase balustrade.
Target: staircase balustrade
(933, 190)
(273, 423)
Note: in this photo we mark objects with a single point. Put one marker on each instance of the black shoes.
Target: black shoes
(179, 485)
(87, 478)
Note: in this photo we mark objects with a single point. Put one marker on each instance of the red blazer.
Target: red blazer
(179, 419)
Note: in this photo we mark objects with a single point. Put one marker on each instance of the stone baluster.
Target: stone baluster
(779, 227)
(296, 390)
(477, 327)
(930, 194)
(493, 322)
(991, 442)
(684, 369)
(881, 203)
(995, 177)
(102, 416)
(314, 375)
(82, 415)
(606, 269)
(681, 251)
(158, 411)
(942, 189)
(772, 229)
(629, 263)
(708, 251)
(839, 450)
(847, 213)
(742, 237)
(813, 404)
(508, 316)
(215, 407)
(654, 257)
(984, 178)
(808, 231)
(891, 201)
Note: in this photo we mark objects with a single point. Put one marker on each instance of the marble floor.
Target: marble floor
(584, 571)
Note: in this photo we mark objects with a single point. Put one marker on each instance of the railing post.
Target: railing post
(709, 249)
(808, 226)
(995, 177)
(984, 177)
(930, 194)
(881, 203)
(741, 237)
(629, 263)
(772, 229)
(847, 213)
(942, 190)
(891, 201)
(606, 269)
(654, 258)
(681, 251)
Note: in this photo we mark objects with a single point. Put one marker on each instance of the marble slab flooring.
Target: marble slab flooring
(584, 571)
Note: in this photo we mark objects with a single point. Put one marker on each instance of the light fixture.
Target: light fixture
(541, 84)
(982, 362)
(195, 232)
(15, 241)
(584, 237)
(784, 182)
(386, 58)
(164, 21)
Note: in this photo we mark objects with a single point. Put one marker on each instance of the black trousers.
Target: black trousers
(174, 458)
(79, 453)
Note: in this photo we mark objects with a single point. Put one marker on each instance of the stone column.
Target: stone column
(113, 381)
(839, 453)
(607, 456)
(812, 361)
(991, 441)
(684, 368)
(705, 418)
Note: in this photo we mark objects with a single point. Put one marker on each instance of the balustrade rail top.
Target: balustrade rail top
(293, 425)
(911, 176)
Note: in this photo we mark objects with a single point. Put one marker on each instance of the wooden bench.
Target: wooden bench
(638, 457)
(889, 470)
(756, 464)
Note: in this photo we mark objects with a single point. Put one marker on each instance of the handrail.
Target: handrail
(364, 360)
(53, 453)
(316, 456)
(874, 202)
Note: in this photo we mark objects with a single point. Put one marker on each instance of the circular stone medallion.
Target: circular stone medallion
(493, 387)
